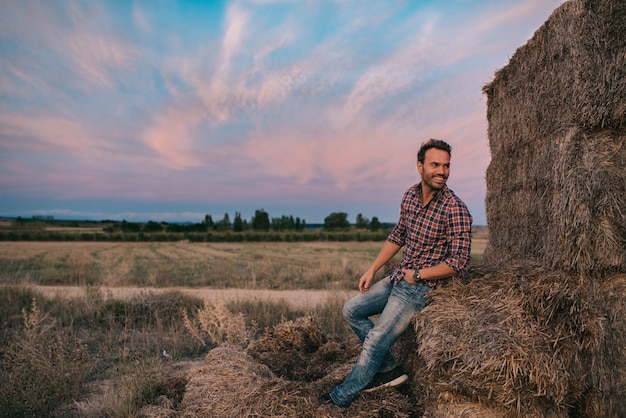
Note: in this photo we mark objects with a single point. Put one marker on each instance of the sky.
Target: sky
(170, 110)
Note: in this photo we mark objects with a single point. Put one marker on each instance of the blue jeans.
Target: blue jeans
(396, 304)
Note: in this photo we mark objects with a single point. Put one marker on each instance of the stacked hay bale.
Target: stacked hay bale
(541, 331)
(525, 340)
(556, 184)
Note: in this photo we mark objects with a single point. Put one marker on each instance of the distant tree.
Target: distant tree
(197, 227)
(298, 225)
(174, 228)
(130, 226)
(152, 226)
(237, 223)
(224, 223)
(362, 222)
(284, 223)
(261, 220)
(335, 221)
(208, 222)
(375, 224)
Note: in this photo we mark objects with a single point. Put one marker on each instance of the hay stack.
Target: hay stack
(523, 341)
(556, 184)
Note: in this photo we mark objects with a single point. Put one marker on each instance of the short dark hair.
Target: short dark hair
(432, 143)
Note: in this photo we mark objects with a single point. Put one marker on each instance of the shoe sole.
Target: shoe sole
(395, 382)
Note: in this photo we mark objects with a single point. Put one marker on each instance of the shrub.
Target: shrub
(42, 371)
(218, 325)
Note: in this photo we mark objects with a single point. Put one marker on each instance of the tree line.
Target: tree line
(260, 222)
(261, 227)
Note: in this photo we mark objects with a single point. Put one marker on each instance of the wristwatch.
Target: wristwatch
(416, 276)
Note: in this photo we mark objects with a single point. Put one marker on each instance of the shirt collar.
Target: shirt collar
(436, 196)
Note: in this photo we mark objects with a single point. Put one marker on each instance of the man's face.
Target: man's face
(436, 168)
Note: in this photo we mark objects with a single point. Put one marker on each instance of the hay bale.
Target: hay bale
(556, 184)
(590, 180)
(526, 341)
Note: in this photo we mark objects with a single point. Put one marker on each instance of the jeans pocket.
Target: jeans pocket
(414, 294)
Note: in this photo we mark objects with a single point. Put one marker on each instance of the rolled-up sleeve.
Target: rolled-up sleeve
(459, 237)
(398, 233)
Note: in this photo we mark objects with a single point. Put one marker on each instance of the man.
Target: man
(434, 232)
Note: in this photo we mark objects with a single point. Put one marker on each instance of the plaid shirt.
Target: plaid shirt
(432, 234)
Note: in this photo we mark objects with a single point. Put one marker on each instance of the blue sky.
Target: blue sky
(169, 110)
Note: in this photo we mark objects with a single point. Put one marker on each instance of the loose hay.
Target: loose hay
(298, 350)
(231, 383)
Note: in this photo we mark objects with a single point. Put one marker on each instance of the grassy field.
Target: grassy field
(103, 329)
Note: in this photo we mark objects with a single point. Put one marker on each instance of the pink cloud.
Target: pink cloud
(50, 134)
(171, 136)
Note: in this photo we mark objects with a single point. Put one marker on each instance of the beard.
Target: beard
(435, 182)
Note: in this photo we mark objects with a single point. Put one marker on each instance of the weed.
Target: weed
(219, 325)
(41, 368)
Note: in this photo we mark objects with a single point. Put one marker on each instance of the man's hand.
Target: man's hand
(409, 276)
(365, 281)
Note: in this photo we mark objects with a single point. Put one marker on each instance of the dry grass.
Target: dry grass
(221, 265)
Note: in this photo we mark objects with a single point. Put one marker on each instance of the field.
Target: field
(212, 270)
(96, 328)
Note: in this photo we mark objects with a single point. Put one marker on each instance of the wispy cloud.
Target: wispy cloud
(45, 134)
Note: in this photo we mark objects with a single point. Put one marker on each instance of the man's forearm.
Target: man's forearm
(386, 253)
(440, 271)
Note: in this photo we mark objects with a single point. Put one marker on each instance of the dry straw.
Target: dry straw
(556, 184)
